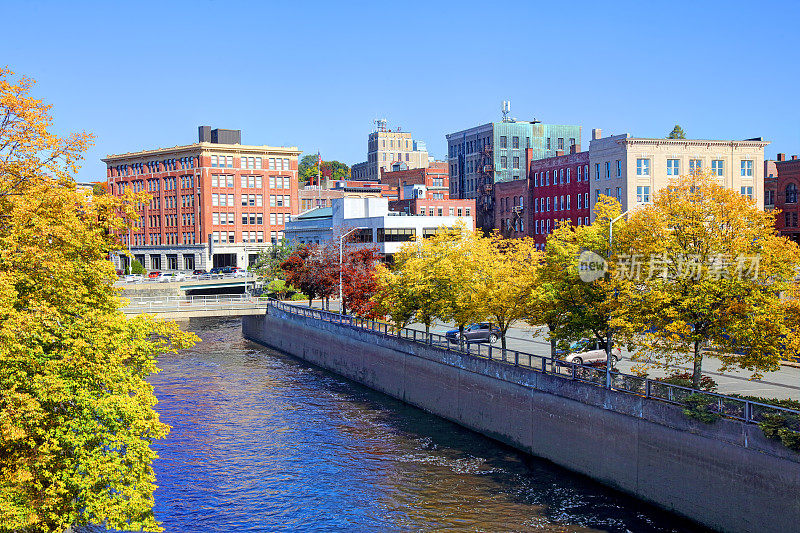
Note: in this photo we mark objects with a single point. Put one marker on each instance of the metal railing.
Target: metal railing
(161, 304)
(192, 277)
(726, 406)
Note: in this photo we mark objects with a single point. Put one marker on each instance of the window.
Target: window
(695, 165)
(548, 143)
(579, 172)
(259, 200)
(286, 183)
(258, 163)
(586, 200)
(515, 162)
(503, 162)
(260, 219)
(560, 143)
(214, 179)
(561, 176)
(619, 168)
(286, 202)
(215, 199)
(747, 168)
(260, 236)
(272, 182)
(515, 142)
(619, 194)
(643, 194)
(747, 191)
(597, 171)
(717, 167)
(214, 161)
(503, 141)
(272, 163)
(273, 219)
(608, 169)
(580, 196)
(791, 193)
(642, 167)
(568, 175)
(229, 161)
(769, 197)
(395, 234)
(215, 218)
(673, 167)
(568, 207)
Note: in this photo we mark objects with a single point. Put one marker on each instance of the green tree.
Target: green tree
(268, 263)
(307, 168)
(335, 170)
(76, 411)
(574, 309)
(715, 270)
(676, 133)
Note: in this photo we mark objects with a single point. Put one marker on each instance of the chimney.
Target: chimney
(596, 133)
(204, 134)
(781, 157)
(794, 158)
(559, 152)
(575, 148)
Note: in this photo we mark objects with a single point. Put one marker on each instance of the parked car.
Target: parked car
(199, 272)
(481, 332)
(179, 276)
(216, 270)
(588, 351)
(165, 277)
(133, 278)
(239, 272)
(154, 274)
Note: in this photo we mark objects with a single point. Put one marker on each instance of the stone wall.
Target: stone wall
(726, 476)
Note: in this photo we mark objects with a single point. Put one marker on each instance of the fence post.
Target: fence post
(647, 387)
(490, 352)
(516, 358)
(748, 411)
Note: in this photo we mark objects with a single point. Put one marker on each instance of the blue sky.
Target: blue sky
(315, 75)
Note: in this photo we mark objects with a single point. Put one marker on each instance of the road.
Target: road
(783, 383)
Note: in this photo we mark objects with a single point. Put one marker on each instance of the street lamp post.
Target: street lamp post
(608, 324)
(341, 244)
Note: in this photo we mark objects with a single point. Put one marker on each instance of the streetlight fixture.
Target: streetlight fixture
(341, 244)
(608, 275)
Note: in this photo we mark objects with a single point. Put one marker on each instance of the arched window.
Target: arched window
(791, 193)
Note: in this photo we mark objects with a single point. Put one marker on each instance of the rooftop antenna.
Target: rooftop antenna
(381, 124)
(506, 109)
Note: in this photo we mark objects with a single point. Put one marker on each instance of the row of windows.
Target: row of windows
(451, 211)
(560, 176)
(560, 203)
(251, 182)
(275, 219)
(227, 200)
(505, 202)
(229, 237)
(543, 227)
(255, 163)
(674, 167)
(154, 166)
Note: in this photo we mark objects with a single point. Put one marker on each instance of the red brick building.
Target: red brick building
(560, 187)
(435, 208)
(435, 178)
(788, 185)
(213, 203)
(770, 184)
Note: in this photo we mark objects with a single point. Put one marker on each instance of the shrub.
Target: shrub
(298, 296)
(779, 427)
(137, 268)
(684, 379)
(698, 406)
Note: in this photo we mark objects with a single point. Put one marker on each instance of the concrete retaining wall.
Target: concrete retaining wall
(726, 475)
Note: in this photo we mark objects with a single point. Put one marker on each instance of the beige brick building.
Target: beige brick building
(388, 151)
(633, 169)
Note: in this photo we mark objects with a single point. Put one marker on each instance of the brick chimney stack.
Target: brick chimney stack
(559, 153)
(596, 133)
(794, 158)
(781, 157)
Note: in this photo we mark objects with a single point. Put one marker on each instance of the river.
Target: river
(261, 441)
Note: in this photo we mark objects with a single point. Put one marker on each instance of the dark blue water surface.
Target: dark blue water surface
(263, 442)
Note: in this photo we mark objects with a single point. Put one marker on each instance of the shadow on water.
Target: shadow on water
(262, 441)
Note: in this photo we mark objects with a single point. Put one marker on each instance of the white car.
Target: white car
(165, 277)
(133, 278)
(589, 351)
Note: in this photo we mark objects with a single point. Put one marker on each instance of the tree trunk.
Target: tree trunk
(553, 348)
(698, 366)
(503, 344)
(461, 337)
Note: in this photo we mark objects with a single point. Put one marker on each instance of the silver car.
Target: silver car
(589, 351)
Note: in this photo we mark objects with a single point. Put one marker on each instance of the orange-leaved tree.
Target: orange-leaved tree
(76, 412)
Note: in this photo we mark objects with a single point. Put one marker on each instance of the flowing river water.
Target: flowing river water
(261, 441)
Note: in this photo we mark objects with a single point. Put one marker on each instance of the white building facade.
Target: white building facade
(371, 224)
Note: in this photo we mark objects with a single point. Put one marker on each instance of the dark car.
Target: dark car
(199, 272)
(228, 270)
(216, 270)
(481, 332)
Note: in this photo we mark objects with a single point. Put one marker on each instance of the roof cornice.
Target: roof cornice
(632, 141)
(206, 147)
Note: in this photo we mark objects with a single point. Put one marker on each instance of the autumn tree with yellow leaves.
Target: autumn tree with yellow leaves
(704, 269)
(76, 412)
